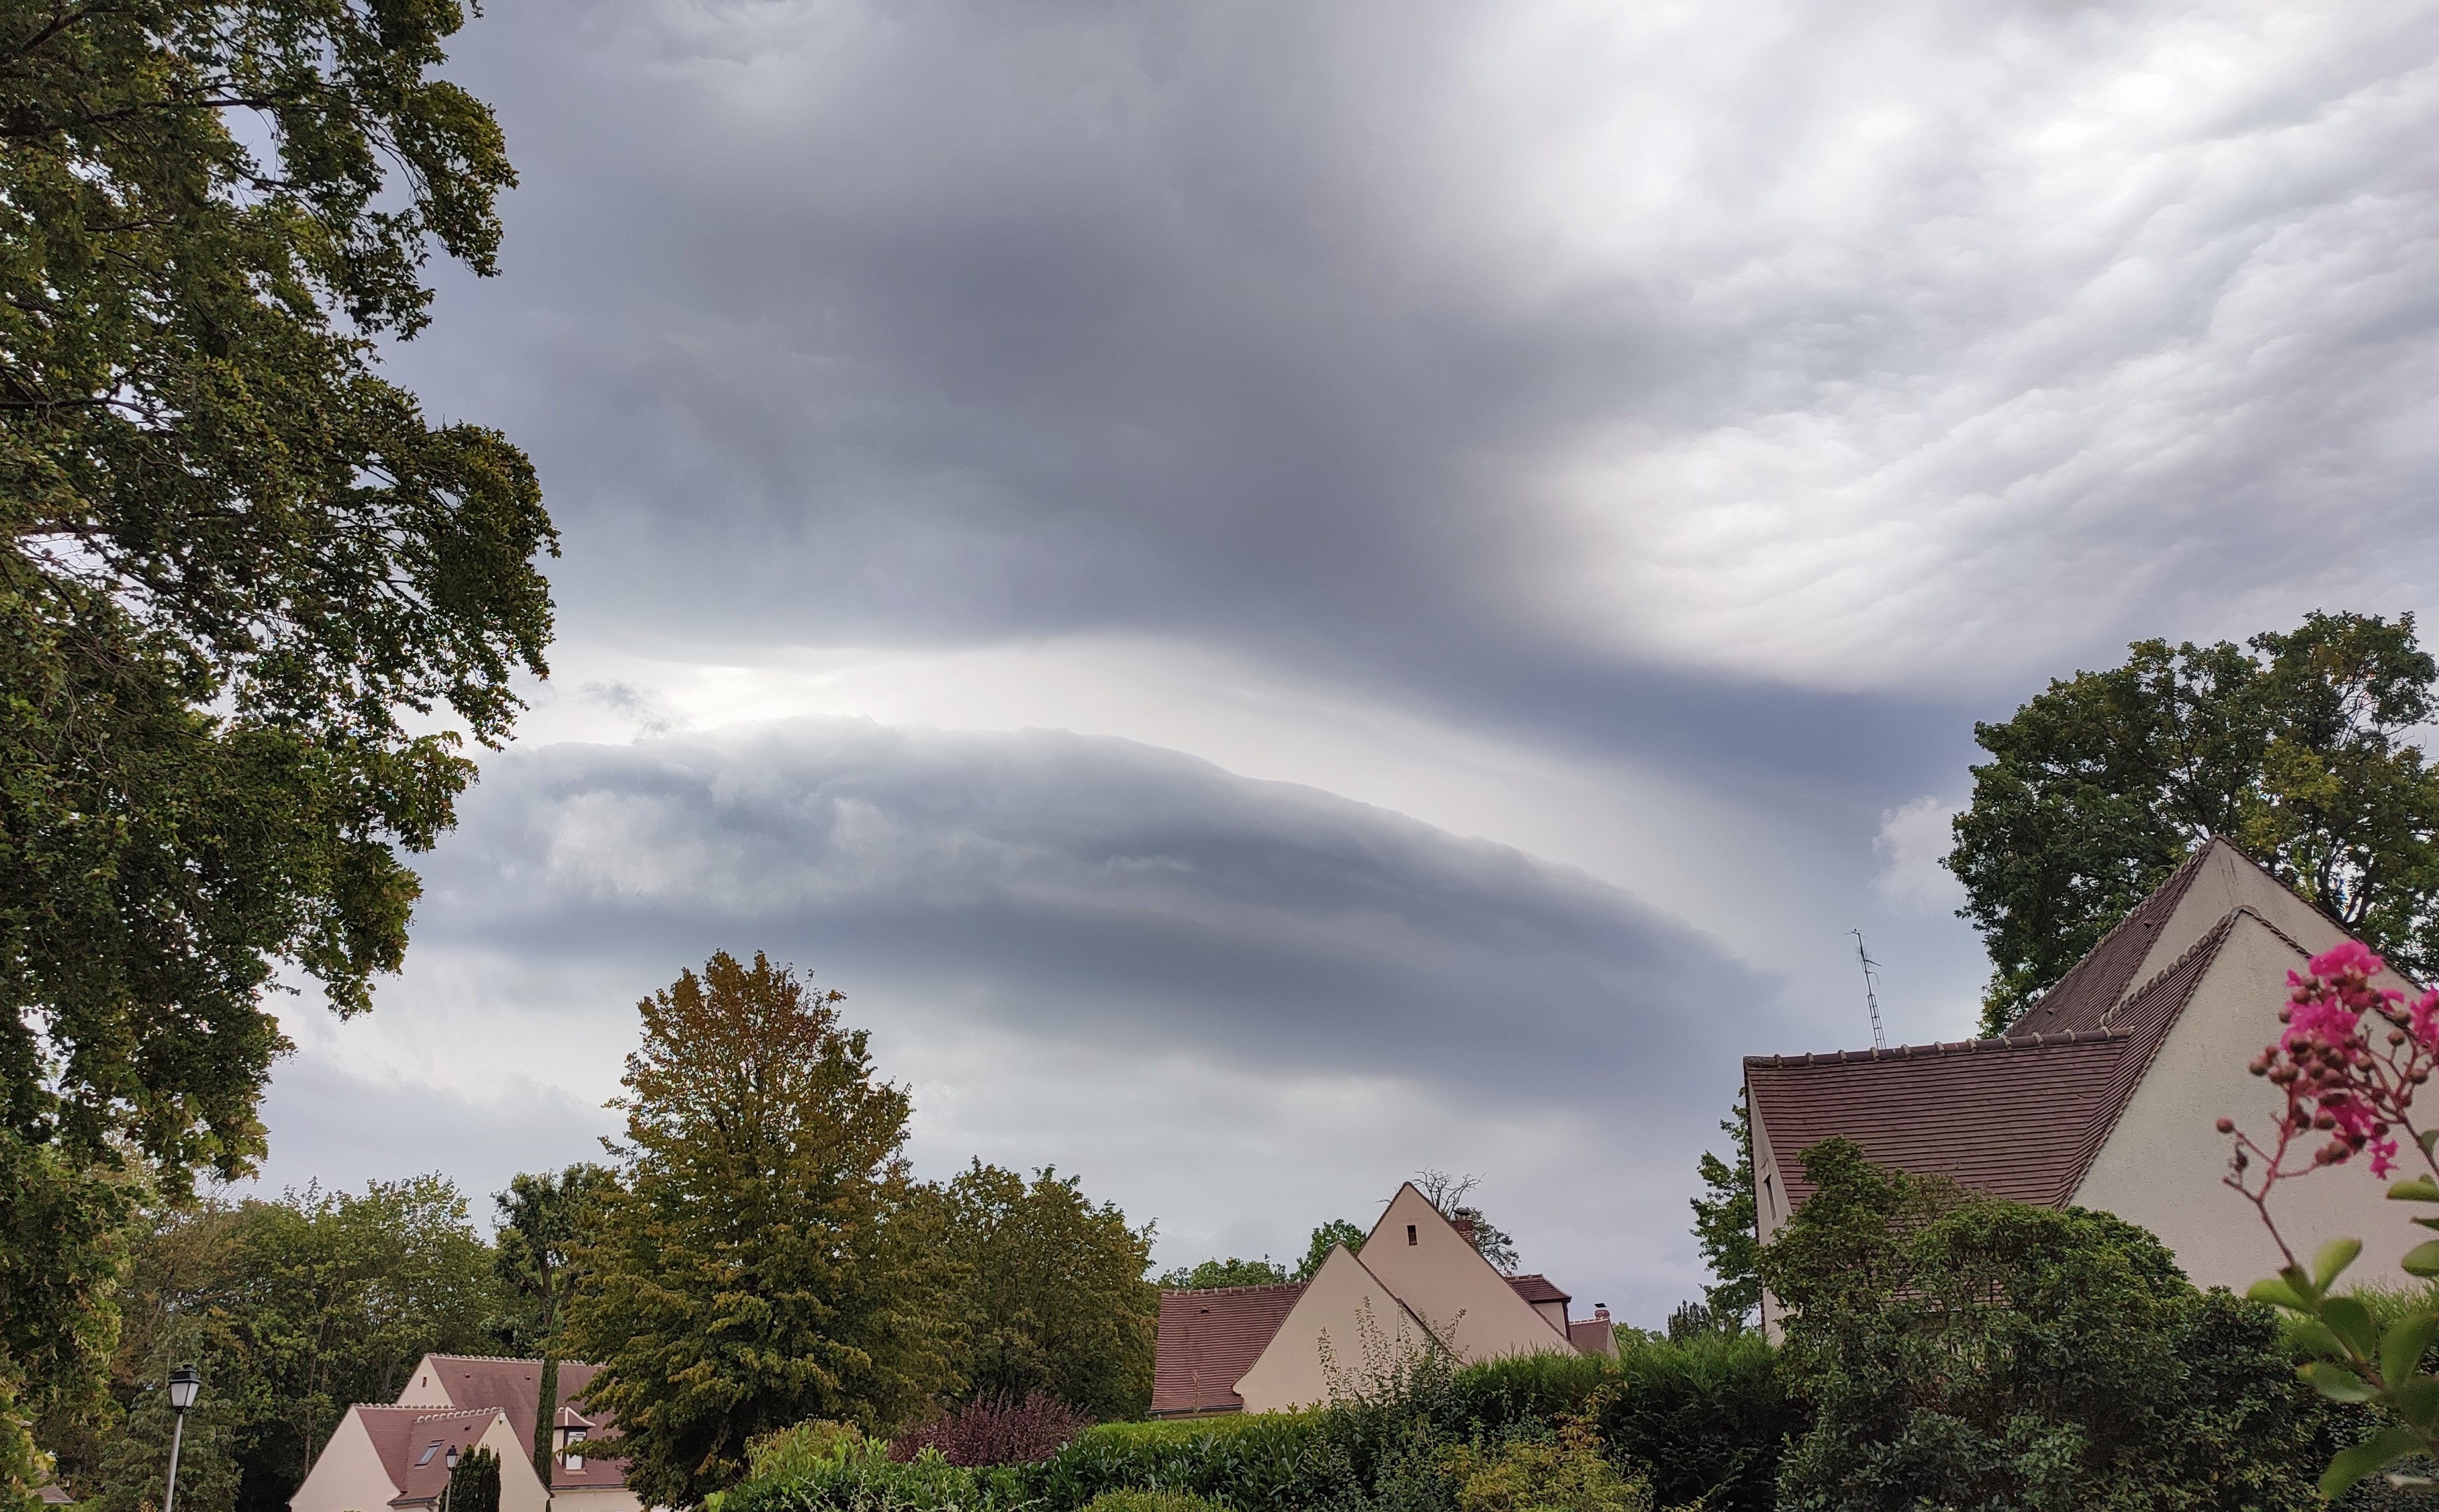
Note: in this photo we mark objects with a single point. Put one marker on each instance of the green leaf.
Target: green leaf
(2429, 1140)
(2426, 1222)
(2384, 1448)
(2332, 1261)
(2278, 1294)
(2338, 1383)
(2419, 1189)
(2312, 1337)
(2350, 1322)
(2423, 1259)
(2407, 1341)
(2416, 1399)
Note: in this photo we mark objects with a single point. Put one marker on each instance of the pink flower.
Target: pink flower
(2425, 1014)
(2383, 1156)
(2344, 957)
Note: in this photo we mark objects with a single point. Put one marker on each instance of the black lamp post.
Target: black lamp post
(446, 1486)
(186, 1384)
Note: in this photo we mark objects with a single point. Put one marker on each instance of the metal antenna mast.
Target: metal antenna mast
(1871, 990)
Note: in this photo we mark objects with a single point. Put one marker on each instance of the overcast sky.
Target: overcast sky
(1283, 593)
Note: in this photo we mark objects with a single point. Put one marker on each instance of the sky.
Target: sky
(1285, 594)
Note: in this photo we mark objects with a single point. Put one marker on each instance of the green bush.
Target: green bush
(1248, 1461)
(1151, 1502)
(857, 1475)
(1711, 1417)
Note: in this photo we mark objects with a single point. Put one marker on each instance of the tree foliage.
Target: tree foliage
(292, 1309)
(2296, 748)
(1230, 1271)
(1449, 1193)
(474, 1483)
(238, 565)
(1724, 1223)
(544, 1218)
(1970, 1353)
(1326, 1238)
(1055, 1299)
(767, 1258)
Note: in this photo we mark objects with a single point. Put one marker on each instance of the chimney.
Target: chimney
(1600, 1312)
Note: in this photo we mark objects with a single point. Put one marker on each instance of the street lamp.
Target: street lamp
(446, 1486)
(186, 1384)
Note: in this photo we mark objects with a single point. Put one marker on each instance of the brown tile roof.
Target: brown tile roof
(1593, 1335)
(402, 1435)
(1209, 1338)
(2021, 1117)
(1537, 1289)
(514, 1387)
(2081, 999)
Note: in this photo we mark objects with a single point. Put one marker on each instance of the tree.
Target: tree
(1724, 1223)
(1972, 1353)
(1447, 1193)
(543, 1219)
(2296, 751)
(1228, 1272)
(1055, 1301)
(293, 1307)
(240, 568)
(1326, 1238)
(766, 1258)
(474, 1483)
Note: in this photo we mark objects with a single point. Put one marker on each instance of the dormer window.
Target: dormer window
(429, 1450)
(574, 1457)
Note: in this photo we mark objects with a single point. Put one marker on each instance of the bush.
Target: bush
(857, 1475)
(1150, 1502)
(797, 1451)
(1551, 1470)
(1245, 1460)
(1710, 1416)
(996, 1431)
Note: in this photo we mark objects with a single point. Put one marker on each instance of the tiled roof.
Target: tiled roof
(2081, 999)
(1593, 1335)
(2021, 1117)
(1537, 1289)
(514, 1387)
(1208, 1339)
(402, 1435)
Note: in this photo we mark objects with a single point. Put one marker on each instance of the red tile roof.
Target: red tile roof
(1593, 1335)
(400, 1435)
(514, 1387)
(2021, 1117)
(1537, 1289)
(2081, 999)
(1209, 1338)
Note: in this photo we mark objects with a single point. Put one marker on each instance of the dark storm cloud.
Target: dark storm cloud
(1094, 889)
(1513, 360)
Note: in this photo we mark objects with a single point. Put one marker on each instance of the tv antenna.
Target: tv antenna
(1871, 990)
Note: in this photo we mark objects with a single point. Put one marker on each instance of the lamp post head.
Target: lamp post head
(452, 1456)
(186, 1384)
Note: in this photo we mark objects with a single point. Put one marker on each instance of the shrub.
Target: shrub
(857, 1475)
(1247, 1461)
(1710, 1416)
(996, 1431)
(1151, 1502)
(1553, 1470)
(797, 1451)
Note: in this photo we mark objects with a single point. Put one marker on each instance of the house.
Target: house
(1417, 1281)
(398, 1455)
(2107, 1093)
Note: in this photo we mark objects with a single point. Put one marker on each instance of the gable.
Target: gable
(1456, 1293)
(1344, 1321)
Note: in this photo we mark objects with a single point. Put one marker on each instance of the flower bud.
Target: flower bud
(2227, 1126)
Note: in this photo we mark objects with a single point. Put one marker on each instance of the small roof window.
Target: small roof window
(429, 1450)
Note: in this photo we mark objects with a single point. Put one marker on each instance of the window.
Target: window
(1410, 1234)
(574, 1458)
(1769, 1196)
(429, 1450)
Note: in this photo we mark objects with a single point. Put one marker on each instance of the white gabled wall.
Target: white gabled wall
(2164, 1163)
(521, 1490)
(348, 1475)
(1345, 1320)
(1460, 1296)
(424, 1388)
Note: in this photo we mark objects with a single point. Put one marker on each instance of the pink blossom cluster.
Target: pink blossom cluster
(2337, 1080)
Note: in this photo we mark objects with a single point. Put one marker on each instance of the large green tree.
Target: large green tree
(544, 1218)
(251, 600)
(1053, 1292)
(767, 1258)
(2297, 747)
(1969, 1353)
(1325, 1237)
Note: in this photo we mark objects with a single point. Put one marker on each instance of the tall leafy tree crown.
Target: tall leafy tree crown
(238, 562)
(237, 569)
(767, 1259)
(2296, 747)
(1724, 1223)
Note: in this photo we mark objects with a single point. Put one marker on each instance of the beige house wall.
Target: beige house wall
(1347, 1321)
(598, 1498)
(2224, 882)
(1460, 1296)
(424, 1388)
(1553, 1313)
(1770, 1207)
(521, 1490)
(348, 1474)
(2162, 1166)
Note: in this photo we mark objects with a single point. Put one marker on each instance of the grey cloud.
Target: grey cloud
(1095, 888)
(1916, 339)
